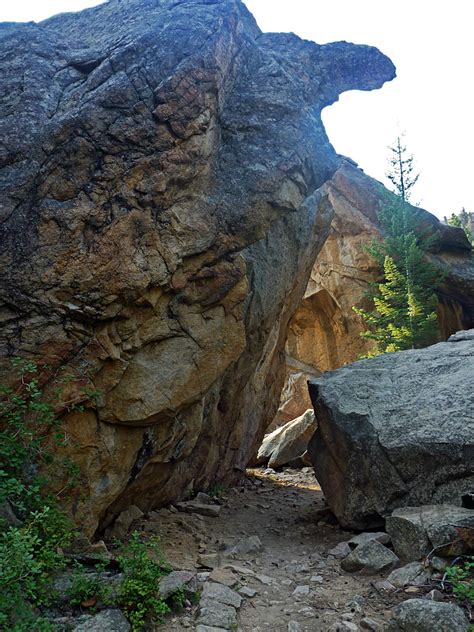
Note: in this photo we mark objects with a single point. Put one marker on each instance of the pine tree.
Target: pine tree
(462, 220)
(404, 302)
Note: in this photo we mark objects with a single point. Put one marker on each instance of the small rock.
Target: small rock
(340, 551)
(208, 560)
(246, 591)
(221, 594)
(223, 576)
(384, 587)
(208, 628)
(362, 538)
(294, 626)
(178, 580)
(370, 558)
(370, 624)
(300, 591)
(295, 567)
(204, 499)
(316, 579)
(420, 615)
(434, 595)
(191, 506)
(240, 570)
(412, 574)
(357, 603)
(215, 614)
(246, 546)
(264, 579)
(106, 621)
(344, 626)
(438, 563)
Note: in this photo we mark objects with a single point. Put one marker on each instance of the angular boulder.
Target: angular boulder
(412, 574)
(370, 558)
(287, 442)
(183, 581)
(415, 531)
(395, 430)
(106, 621)
(160, 212)
(421, 615)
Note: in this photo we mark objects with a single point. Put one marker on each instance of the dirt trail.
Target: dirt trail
(286, 511)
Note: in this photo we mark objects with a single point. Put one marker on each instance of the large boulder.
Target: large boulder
(294, 398)
(421, 615)
(395, 430)
(415, 531)
(287, 442)
(370, 558)
(161, 210)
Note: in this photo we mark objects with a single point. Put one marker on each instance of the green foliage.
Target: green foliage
(86, 586)
(404, 302)
(29, 431)
(401, 172)
(463, 220)
(178, 598)
(217, 490)
(30, 553)
(461, 578)
(138, 593)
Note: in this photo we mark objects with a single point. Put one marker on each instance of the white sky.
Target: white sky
(430, 42)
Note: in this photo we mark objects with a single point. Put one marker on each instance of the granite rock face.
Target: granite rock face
(421, 615)
(415, 531)
(324, 332)
(161, 211)
(395, 431)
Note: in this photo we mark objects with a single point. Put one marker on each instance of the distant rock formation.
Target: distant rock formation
(324, 332)
(288, 443)
(160, 214)
(396, 431)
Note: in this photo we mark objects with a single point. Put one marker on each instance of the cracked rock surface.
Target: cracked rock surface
(160, 214)
(396, 431)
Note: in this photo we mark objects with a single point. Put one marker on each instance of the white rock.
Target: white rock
(300, 591)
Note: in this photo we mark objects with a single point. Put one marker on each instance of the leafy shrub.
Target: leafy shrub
(461, 578)
(29, 431)
(30, 552)
(86, 586)
(138, 593)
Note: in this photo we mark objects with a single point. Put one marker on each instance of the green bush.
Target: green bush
(86, 586)
(461, 578)
(138, 594)
(30, 550)
(29, 431)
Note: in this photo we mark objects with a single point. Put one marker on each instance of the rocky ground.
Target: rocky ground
(289, 582)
